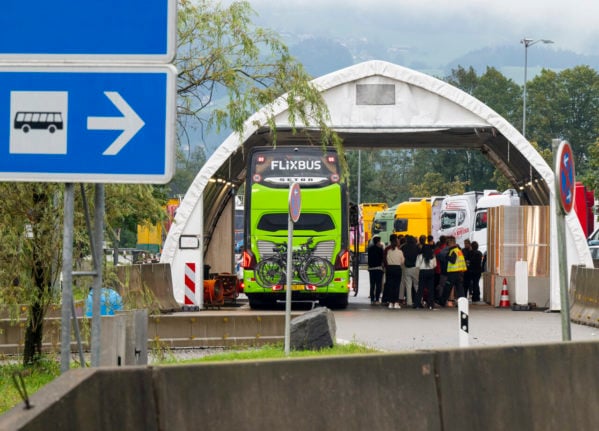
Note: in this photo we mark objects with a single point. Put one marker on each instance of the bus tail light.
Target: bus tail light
(277, 287)
(342, 260)
(310, 287)
(248, 261)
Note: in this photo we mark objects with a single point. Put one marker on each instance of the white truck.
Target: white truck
(457, 216)
(465, 216)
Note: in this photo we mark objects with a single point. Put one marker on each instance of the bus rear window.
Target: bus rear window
(314, 222)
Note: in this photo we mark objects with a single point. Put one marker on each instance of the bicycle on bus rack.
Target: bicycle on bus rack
(306, 267)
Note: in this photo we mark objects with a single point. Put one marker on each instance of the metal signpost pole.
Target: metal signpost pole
(289, 272)
(564, 191)
(295, 206)
(67, 277)
(97, 283)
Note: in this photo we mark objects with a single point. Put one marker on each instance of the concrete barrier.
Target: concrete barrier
(148, 286)
(541, 387)
(584, 295)
(90, 399)
(548, 387)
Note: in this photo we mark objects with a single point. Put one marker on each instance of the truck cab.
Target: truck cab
(457, 216)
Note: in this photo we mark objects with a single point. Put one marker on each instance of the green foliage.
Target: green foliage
(235, 68)
(434, 184)
(565, 105)
(31, 236)
(591, 178)
(34, 377)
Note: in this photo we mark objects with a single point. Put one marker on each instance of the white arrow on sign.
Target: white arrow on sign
(129, 123)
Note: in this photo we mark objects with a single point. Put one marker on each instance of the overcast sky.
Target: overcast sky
(442, 29)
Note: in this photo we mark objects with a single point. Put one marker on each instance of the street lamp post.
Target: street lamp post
(527, 42)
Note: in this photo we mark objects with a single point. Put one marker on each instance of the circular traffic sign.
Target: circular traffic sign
(295, 202)
(565, 176)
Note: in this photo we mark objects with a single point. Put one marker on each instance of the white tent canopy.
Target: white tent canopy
(372, 105)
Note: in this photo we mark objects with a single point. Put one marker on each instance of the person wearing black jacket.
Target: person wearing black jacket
(375, 269)
(411, 251)
(475, 267)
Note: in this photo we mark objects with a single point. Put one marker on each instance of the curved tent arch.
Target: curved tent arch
(374, 104)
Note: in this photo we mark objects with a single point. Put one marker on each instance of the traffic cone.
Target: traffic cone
(505, 296)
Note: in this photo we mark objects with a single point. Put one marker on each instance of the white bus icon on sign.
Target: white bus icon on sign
(50, 121)
(38, 122)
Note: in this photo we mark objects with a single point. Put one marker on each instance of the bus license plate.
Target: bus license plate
(297, 287)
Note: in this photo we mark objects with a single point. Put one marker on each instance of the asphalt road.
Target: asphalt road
(410, 329)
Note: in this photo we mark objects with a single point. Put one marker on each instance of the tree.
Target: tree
(501, 94)
(229, 69)
(435, 185)
(591, 178)
(565, 105)
(465, 80)
(29, 266)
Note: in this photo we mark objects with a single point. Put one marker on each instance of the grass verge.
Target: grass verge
(35, 377)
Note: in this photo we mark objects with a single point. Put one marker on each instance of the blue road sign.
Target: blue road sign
(566, 176)
(88, 30)
(87, 124)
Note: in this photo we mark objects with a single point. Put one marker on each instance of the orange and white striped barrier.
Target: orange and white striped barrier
(189, 302)
(505, 296)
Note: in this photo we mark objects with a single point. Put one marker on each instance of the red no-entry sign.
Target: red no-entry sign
(565, 176)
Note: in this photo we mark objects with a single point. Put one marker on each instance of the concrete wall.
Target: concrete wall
(584, 295)
(543, 387)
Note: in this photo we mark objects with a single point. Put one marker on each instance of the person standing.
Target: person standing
(475, 269)
(375, 269)
(467, 250)
(440, 253)
(456, 266)
(410, 251)
(393, 260)
(426, 264)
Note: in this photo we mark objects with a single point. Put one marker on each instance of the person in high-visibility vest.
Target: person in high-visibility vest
(456, 267)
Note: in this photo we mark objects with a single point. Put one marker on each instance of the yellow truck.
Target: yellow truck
(366, 216)
(405, 218)
(413, 218)
(150, 237)
(368, 212)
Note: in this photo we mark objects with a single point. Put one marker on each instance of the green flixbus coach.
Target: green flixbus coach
(324, 218)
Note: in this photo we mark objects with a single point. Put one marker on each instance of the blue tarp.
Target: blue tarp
(110, 301)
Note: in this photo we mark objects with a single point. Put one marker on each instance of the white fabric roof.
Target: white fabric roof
(376, 105)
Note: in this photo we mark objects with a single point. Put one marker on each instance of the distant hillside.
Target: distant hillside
(321, 56)
(510, 59)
